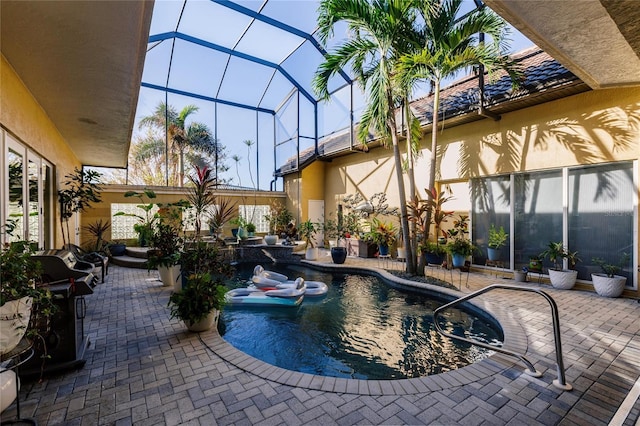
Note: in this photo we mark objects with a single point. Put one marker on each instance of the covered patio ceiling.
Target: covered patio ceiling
(83, 60)
(597, 40)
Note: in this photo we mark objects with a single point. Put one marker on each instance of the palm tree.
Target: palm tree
(451, 44)
(184, 138)
(379, 30)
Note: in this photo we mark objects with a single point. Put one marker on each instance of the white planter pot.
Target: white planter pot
(563, 280)
(270, 239)
(520, 276)
(205, 323)
(169, 275)
(7, 388)
(311, 254)
(402, 253)
(14, 318)
(608, 287)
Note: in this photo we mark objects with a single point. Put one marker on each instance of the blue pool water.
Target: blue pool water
(361, 329)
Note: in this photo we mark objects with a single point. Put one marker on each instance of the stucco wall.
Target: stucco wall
(24, 118)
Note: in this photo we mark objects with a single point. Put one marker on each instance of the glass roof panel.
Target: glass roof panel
(268, 42)
(156, 63)
(302, 65)
(196, 69)
(276, 92)
(165, 16)
(214, 23)
(305, 13)
(245, 84)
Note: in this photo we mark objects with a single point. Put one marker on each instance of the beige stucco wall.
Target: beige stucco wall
(24, 118)
(115, 194)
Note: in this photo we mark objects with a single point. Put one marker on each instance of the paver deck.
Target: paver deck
(145, 369)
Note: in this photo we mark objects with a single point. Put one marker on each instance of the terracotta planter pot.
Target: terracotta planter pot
(608, 286)
(563, 280)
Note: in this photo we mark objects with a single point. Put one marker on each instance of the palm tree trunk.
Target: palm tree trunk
(181, 168)
(412, 179)
(434, 148)
(404, 221)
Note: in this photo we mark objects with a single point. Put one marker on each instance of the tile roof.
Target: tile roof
(544, 79)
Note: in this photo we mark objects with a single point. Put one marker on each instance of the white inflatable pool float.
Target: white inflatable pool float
(269, 280)
(251, 296)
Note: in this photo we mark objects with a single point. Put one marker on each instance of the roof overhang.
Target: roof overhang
(597, 40)
(82, 60)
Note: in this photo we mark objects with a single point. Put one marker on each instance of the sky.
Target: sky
(202, 65)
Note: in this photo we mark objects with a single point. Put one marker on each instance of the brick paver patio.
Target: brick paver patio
(144, 369)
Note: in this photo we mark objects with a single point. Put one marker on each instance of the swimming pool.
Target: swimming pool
(362, 329)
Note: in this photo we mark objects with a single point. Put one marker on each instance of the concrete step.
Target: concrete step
(129, 261)
(139, 252)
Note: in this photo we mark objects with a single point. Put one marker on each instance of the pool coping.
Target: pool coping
(514, 339)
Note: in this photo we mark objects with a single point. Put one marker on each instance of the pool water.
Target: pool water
(362, 329)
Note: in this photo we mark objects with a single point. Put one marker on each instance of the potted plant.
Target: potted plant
(433, 252)
(199, 302)
(116, 248)
(146, 220)
(201, 195)
(608, 284)
(307, 231)
(251, 229)
(204, 272)
(221, 212)
(97, 229)
(383, 234)
(458, 245)
(561, 278)
(333, 230)
(165, 255)
(25, 306)
(497, 240)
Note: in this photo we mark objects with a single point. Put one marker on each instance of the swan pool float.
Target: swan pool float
(252, 296)
(269, 280)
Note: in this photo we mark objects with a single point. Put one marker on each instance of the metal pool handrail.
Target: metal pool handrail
(561, 381)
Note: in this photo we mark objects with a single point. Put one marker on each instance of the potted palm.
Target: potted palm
(221, 212)
(497, 240)
(383, 234)
(307, 231)
(561, 278)
(608, 284)
(165, 255)
(333, 229)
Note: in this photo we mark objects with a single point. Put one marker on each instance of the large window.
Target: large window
(537, 214)
(600, 206)
(589, 209)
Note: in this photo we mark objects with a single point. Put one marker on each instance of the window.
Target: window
(122, 226)
(590, 209)
(255, 214)
(601, 216)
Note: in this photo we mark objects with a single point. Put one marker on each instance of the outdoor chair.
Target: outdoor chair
(98, 260)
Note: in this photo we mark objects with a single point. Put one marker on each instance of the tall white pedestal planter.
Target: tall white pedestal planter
(169, 275)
